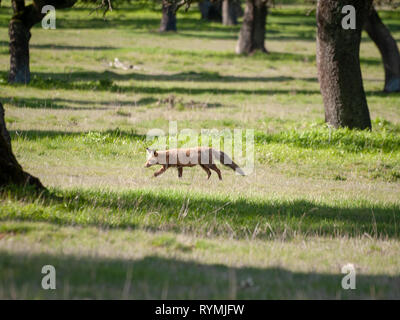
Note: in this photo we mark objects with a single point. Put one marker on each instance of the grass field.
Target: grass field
(317, 199)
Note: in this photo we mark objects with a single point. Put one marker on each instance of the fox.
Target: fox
(190, 157)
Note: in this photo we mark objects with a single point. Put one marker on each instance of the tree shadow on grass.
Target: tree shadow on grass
(381, 93)
(65, 104)
(214, 91)
(192, 76)
(47, 83)
(241, 218)
(51, 103)
(33, 135)
(71, 47)
(146, 24)
(154, 277)
(52, 46)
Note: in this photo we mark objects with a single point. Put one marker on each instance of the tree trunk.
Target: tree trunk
(338, 63)
(238, 8)
(23, 19)
(168, 21)
(10, 170)
(387, 46)
(21, 22)
(229, 12)
(211, 11)
(19, 52)
(252, 32)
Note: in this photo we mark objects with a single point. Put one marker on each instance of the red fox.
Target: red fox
(179, 158)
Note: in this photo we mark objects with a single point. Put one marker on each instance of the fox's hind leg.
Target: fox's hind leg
(180, 171)
(215, 168)
(206, 170)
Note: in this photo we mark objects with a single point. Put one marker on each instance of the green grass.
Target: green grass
(167, 265)
(206, 215)
(317, 199)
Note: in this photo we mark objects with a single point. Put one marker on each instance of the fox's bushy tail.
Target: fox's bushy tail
(227, 161)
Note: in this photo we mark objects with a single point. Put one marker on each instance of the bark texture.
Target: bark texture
(211, 10)
(252, 32)
(168, 21)
(229, 12)
(338, 63)
(10, 170)
(19, 52)
(23, 19)
(387, 46)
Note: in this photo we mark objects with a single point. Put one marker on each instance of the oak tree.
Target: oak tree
(338, 60)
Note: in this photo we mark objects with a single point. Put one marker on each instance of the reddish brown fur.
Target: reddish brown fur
(195, 156)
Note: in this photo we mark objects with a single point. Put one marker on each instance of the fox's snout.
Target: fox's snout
(149, 164)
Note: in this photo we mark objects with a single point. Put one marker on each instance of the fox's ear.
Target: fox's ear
(152, 152)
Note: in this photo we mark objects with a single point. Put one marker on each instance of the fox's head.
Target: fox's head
(151, 157)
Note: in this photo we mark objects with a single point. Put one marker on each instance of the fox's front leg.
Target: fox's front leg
(206, 170)
(161, 171)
